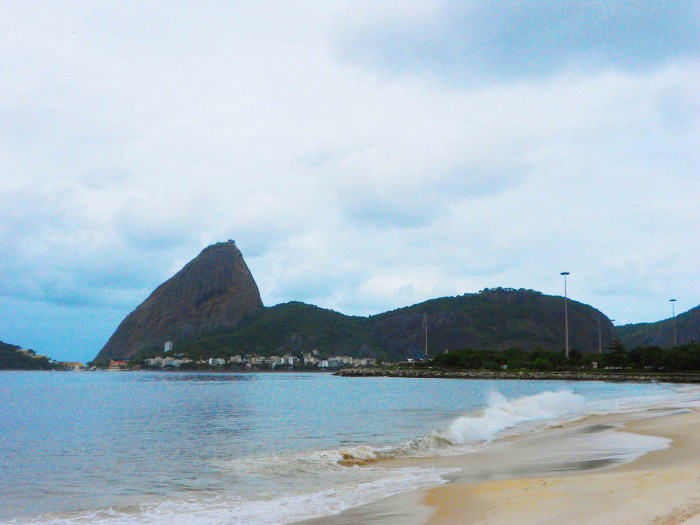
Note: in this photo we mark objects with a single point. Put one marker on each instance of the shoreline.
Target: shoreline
(522, 479)
(430, 373)
(660, 488)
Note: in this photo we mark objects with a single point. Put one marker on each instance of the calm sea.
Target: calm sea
(141, 447)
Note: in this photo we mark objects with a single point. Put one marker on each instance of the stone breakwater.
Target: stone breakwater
(538, 376)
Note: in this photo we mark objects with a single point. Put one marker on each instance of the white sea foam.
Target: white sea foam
(501, 415)
(300, 485)
(268, 511)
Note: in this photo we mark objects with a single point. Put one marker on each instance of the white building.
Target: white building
(216, 361)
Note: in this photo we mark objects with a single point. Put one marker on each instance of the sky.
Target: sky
(363, 155)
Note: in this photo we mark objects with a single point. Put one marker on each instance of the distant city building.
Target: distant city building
(165, 362)
(289, 360)
(168, 346)
(216, 361)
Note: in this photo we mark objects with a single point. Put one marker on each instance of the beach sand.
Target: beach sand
(659, 488)
(569, 474)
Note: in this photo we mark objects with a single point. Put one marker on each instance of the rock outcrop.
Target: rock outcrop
(213, 292)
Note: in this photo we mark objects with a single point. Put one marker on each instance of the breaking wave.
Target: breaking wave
(264, 511)
(524, 413)
(293, 479)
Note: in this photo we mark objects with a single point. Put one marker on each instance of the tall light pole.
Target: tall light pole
(566, 315)
(426, 336)
(673, 306)
(613, 325)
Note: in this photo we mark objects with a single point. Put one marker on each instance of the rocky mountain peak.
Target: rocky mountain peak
(212, 292)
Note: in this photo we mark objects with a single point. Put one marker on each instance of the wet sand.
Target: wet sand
(659, 488)
(584, 472)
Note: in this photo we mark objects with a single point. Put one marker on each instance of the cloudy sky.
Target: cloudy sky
(363, 155)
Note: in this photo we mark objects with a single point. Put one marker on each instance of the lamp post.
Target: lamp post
(613, 325)
(566, 315)
(673, 307)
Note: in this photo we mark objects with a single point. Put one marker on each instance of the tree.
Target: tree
(542, 364)
(617, 358)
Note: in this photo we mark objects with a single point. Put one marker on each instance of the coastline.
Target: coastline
(539, 478)
(659, 488)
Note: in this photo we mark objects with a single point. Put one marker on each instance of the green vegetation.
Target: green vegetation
(494, 318)
(684, 358)
(499, 318)
(512, 359)
(287, 328)
(12, 357)
(522, 329)
(660, 333)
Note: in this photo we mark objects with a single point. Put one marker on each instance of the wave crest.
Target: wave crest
(501, 415)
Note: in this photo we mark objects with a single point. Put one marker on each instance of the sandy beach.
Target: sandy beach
(659, 488)
(583, 472)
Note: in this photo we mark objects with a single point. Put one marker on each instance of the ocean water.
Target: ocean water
(142, 447)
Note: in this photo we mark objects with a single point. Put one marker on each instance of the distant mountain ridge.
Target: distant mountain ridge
(212, 307)
(491, 319)
(661, 332)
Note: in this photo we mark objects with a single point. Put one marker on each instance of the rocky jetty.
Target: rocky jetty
(538, 376)
(213, 292)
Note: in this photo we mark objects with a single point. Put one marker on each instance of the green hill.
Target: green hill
(290, 327)
(661, 332)
(494, 319)
(13, 357)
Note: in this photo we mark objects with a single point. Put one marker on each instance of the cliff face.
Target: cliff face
(212, 292)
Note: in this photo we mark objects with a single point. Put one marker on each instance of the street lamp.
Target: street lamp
(566, 315)
(613, 325)
(673, 306)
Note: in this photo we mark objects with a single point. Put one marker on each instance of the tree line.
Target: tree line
(685, 358)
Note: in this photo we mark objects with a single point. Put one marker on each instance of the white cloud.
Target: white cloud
(135, 135)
